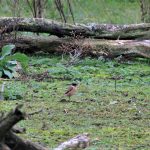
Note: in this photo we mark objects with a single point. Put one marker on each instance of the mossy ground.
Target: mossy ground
(114, 119)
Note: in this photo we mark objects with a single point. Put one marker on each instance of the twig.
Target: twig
(115, 85)
(116, 78)
(3, 86)
(2, 91)
(10, 120)
(35, 112)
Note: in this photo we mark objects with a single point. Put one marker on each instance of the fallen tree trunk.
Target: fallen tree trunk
(89, 47)
(100, 31)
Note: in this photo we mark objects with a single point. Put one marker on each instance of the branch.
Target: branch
(10, 120)
(35, 112)
(80, 141)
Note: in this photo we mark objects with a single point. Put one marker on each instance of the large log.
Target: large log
(100, 31)
(89, 47)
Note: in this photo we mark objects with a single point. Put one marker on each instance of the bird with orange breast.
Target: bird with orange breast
(71, 90)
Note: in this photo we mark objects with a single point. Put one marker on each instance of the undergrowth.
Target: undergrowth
(85, 11)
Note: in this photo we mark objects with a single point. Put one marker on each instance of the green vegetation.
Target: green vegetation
(116, 114)
(113, 119)
(85, 11)
(9, 62)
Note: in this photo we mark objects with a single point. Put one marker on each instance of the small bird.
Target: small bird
(71, 90)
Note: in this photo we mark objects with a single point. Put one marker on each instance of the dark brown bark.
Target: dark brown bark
(89, 47)
(100, 31)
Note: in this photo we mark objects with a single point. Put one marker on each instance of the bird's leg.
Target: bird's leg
(69, 98)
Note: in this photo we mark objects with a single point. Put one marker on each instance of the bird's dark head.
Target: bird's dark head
(74, 84)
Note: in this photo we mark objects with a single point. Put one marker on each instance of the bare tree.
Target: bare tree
(14, 6)
(60, 7)
(40, 6)
(70, 9)
(37, 8)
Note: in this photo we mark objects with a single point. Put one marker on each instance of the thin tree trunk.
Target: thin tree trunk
(40, 8)
(145, 10)
(59, 7)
